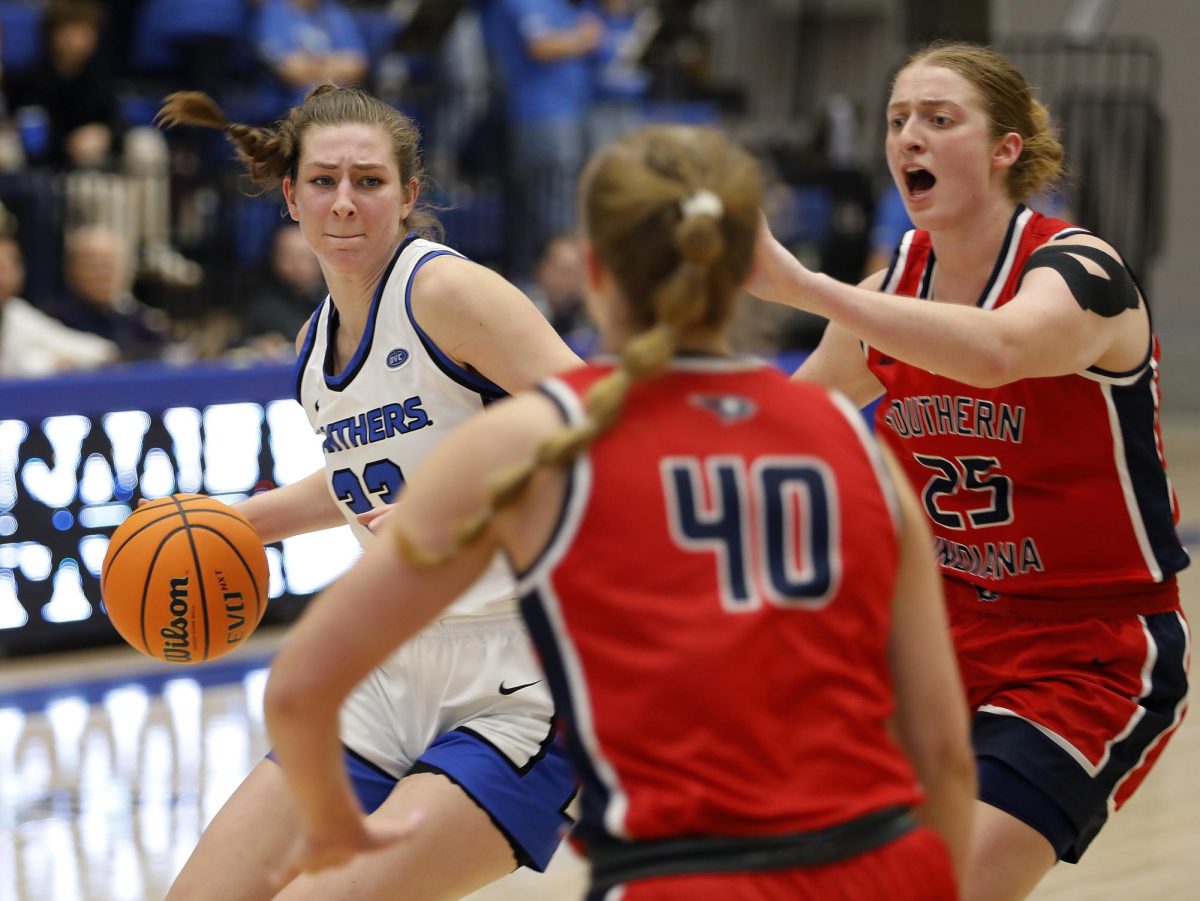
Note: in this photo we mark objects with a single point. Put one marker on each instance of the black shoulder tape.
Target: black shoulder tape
(1106, 297)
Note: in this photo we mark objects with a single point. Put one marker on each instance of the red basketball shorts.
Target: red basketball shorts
(1081, 708)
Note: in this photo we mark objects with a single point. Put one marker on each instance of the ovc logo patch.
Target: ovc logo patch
(397, 357)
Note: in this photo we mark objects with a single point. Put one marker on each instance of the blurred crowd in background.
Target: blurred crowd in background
(121, 242)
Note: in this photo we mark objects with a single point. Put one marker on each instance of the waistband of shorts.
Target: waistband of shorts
(615, 862)
(499, 618)
(1104, 603)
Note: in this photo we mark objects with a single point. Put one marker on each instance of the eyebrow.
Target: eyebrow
(321, 164)
(925, 102)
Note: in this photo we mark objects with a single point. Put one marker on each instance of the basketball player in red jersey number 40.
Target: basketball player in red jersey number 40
(1019, 374)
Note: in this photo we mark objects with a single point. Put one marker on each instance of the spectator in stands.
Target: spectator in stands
(73, 91)
(72, 88)
(286, 296)
(619, 81)
(192, 41)
(557, 290)
(33, 344)
(305, 42)
(98, 298)
(540, 50)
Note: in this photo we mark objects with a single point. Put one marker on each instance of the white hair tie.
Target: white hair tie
(702, 203)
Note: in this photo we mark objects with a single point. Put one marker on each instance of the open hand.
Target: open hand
(775, 274)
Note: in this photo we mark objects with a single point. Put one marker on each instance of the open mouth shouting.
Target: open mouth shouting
(918, 182)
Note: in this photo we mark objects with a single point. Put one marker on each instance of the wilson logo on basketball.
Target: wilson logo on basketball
(176, 644)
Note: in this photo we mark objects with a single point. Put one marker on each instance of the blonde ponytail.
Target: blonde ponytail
(700, 192)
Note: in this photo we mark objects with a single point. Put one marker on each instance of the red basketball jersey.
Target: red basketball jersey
(1046, 488)
(714, 608)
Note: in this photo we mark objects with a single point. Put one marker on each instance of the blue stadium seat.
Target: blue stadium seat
(139, 108)
(378, 28)
(255, 221)
(475, 224)
(20, 35)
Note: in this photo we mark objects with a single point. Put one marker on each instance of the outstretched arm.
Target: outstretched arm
(303, 506)
(1045, 330)
(839, 361)
(383, 601)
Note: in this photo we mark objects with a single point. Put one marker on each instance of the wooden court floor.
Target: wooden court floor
(111, 764)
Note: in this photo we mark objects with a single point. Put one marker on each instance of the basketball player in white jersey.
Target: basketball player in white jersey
(451, 738)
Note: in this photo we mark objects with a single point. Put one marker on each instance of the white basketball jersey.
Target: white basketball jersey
(396, 399)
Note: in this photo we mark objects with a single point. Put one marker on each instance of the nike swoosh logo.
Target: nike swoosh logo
(505, 690)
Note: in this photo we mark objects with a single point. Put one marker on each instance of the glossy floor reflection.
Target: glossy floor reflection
(111, 764)
(104, 792)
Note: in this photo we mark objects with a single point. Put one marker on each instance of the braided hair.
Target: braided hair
(672, 213)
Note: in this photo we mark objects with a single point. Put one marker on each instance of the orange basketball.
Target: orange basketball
(185, 579)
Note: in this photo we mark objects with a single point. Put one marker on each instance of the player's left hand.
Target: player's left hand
(312, 853)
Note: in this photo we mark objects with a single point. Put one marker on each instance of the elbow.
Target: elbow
(997, 365)
(291, 698)
(282, 700)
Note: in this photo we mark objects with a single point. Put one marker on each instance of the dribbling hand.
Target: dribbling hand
(313, 853)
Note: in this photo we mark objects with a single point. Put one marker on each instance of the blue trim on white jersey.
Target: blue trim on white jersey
(339, 381)
(310, 338)
(487, 389)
